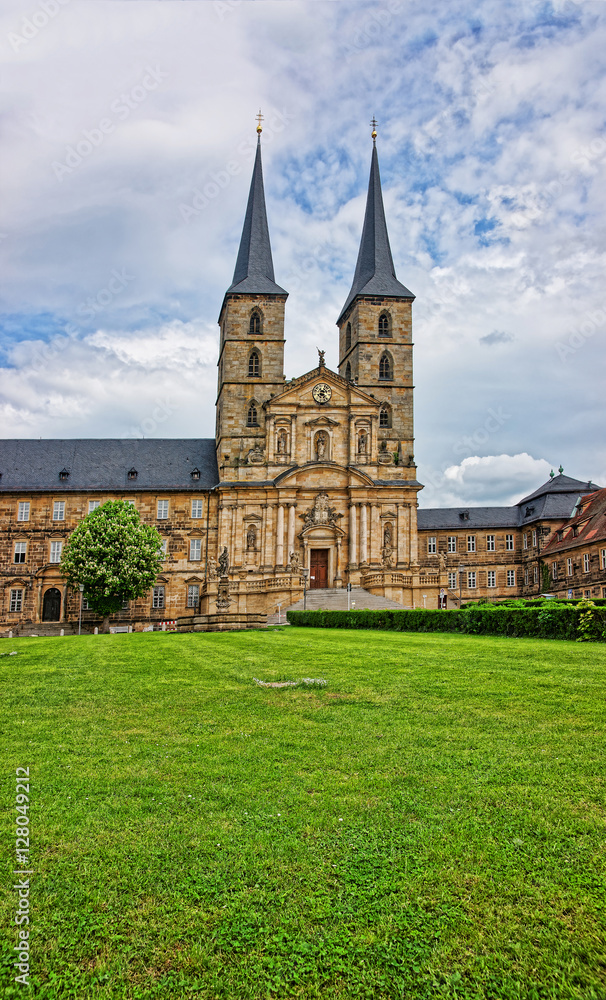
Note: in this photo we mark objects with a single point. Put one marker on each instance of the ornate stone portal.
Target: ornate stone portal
(321, 512)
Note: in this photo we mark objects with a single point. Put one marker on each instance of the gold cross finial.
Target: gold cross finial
(374, 128)
(259, 118)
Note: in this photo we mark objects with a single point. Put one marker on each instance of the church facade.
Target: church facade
(314, 476)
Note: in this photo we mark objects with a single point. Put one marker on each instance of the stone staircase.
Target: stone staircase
(336, 600)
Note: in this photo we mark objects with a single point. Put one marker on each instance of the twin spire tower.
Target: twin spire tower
(375, 336)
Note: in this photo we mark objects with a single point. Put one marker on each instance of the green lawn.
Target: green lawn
(428, 825)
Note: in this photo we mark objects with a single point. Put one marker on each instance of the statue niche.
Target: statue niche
(321, 446)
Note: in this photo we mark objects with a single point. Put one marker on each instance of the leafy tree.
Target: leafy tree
(114, 556)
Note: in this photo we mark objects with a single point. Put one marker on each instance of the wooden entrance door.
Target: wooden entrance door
(318, 567)
(51, 606)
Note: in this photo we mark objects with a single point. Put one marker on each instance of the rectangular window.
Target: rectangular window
(471, 581)
(125, 605)
(55, 551)
(511, 577)
(535, 574)
(554, 570)
(164, 548)
(193, 596)
(471, 543)
(196, 508)
(491, 578)
(509, 543)
(586, 563)
(162, 510)
(85, 604)
(59, 510)
(93, 504)
(23, 511)
(20, 551)
(569, 567)
(525, 543)
(431, 545)
(587, 593)
(452, 581)
(195, 548)
(158, 600)
(452, 543)
(603, 558)
(490, 543)
(534, 538)
(526, 577)
(16, 603)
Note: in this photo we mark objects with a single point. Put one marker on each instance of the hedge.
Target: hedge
(583, 622)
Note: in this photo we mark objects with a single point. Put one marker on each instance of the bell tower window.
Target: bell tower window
(384, 330)
(251, 416)
(385, 417)
(385, 367)
(255, 323)
(254, 365)
(348, 337)
(348, 372)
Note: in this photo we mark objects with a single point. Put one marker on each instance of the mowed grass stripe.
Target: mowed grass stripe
(430, 824)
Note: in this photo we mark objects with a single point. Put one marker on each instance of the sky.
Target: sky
(128, 131)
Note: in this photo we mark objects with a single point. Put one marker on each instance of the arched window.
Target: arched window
(348, 372)
(255, 323)
(384, 325)
(385, 367)
(251, 416)
(254, 365)
(385, 416)
(348, 337)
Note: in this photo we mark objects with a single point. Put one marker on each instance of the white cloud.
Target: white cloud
(498, 480)
(492, 155)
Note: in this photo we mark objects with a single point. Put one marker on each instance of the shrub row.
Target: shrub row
(583, 622)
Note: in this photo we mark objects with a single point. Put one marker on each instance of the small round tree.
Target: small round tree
(113, 556)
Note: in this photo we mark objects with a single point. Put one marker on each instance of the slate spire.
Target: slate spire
(254, 271)
(375, 273)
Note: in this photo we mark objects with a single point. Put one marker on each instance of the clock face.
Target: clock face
(321, 392)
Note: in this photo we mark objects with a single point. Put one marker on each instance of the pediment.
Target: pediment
(317, 475)
(299, 392)
(194, 579)
(252, 517)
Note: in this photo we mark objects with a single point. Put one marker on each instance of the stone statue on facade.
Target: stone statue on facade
(321, 357)
(282, 443)
(362, 443)
(321, 512)
(321, 441)
(223, 562)
(251, 537)
(387, 536)
(387, 556)
(295, 562)
(212, 568)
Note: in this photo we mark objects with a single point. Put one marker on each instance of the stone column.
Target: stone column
(280, 539)
(402, 530)
(364, 535)
(338, 580)
(293, 439)
(233, 547)
(291, 530)
(412, 528)
(353, 548)
(269, 539)
(375, 534)
(271, 433)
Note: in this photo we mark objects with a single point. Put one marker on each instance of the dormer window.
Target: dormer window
(64, 474)
(254, 326)
(195, 473)
(464, 515)
(132, 474)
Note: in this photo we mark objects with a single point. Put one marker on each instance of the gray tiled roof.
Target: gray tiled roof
(375, 273)
(254, 271)
(103, 464)
(479, 517)
(560, 484)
